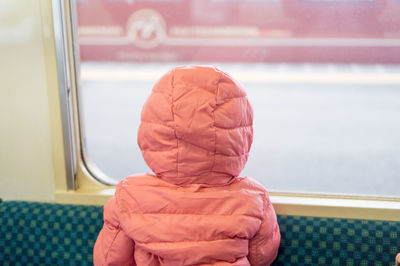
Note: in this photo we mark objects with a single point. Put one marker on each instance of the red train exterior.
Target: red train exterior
(356, 31)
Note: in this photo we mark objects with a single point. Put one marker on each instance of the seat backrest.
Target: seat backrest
(48, 234)
(332, 241)
(58, 234)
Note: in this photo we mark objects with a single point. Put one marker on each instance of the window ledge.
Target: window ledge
(284, 205)
(337, 208)
(84, 196)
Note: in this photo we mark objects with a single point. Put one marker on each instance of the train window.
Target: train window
(323, 78)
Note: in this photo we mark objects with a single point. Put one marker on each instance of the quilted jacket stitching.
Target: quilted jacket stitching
(232, 128)
(159, 124)
(174, 122)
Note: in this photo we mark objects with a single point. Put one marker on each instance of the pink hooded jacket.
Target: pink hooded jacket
(195, 134)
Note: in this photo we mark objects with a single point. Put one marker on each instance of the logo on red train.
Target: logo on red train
(146, 28)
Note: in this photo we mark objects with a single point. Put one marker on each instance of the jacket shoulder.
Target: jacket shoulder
(252, 184)
(139, 180)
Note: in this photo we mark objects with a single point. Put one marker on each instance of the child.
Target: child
(195, 134)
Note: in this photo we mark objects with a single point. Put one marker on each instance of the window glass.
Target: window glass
(323, 77)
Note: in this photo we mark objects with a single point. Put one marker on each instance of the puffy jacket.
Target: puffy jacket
(195, 135)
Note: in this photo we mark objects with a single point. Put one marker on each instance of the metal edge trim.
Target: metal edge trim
(64, 83)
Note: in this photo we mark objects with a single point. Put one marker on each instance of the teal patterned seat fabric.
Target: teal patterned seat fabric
(54, 234)
(331, 241)
(48, 234)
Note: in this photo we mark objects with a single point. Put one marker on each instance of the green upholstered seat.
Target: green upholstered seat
(48, 234)
(331, 241)
(54, 234)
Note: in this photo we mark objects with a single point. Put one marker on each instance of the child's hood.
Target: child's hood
(196, 127)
